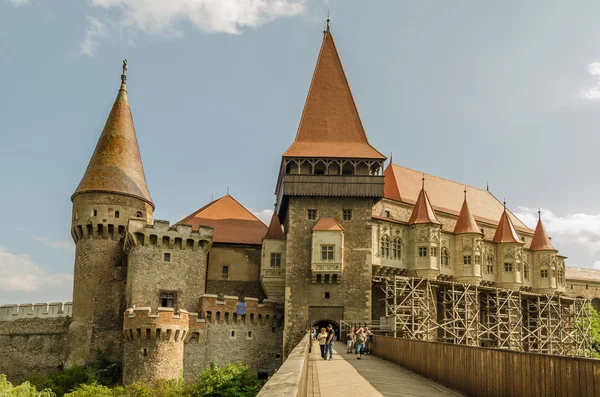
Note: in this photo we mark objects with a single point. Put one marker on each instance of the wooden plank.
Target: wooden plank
(596, 380)
(589, 372)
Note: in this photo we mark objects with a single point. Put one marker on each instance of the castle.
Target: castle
(221, 286)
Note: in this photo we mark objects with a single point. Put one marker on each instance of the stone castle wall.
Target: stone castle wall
(243, 278)
(13, 312)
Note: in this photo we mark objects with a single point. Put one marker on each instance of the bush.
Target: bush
(232, 380)
(64, 381)
(24, 390)
(93, 390)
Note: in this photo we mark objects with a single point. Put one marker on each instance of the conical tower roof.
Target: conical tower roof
(423, 212)
(116, 165)
(540, 240)
(330, 125)
(466, 222)
(505, 232)
(275, 232)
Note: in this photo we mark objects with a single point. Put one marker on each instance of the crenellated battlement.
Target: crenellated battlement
(224, 311)
(99, 231)
(166, 325)
(161, 234)
(13, 312)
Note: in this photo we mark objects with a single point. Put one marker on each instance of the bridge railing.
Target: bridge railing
(291, 378)
(477, 371)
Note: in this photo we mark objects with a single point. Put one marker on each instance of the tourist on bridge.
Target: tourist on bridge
(330, 340)
(350, 340)
(368, 340)
(322, 338)
(360, 342)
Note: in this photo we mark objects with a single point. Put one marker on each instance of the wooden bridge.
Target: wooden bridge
(405, 367)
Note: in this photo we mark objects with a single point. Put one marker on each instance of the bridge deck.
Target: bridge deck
(368, 377)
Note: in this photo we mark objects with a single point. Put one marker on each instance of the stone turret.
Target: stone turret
(510, 247)
(548, 271)
(272, 266)
(112, 190)
(425, 231)
(468, 245)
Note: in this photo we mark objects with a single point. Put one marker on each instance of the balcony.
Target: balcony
(332, 185)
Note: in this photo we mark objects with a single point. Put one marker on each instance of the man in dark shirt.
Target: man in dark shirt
(330, 340)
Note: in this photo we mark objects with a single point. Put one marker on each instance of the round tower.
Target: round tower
(153, 344)
(112, 190)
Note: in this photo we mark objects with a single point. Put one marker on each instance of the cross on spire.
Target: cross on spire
(327, 30)
(124, 75)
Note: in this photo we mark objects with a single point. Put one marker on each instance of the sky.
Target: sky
(505, 93)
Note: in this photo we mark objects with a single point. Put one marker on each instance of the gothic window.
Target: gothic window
(168, 298)
(422, 251)
(327, 252)
(347, 215)
(508, 267)
(526, 271)
(466, 259)
(138, 214)
(385, 247)
(434, 251)
(311, 214)
(445, 258)
(397, 248)
(276, 259)
(490, 264)
(544, 273)
(560, 276)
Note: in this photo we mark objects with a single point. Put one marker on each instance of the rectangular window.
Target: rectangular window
(167, 257)
(168, 299)
(311, 214)
(422, 251)
(434, 251)
(347, 215)
(327, 252)
(508, 267)
(544, 273)
(225, 272)
(476, 259)
(275, 259)
(387, 214)
(466, 259)
(117, 214)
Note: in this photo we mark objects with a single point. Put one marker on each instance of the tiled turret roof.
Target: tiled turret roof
(505, 232)
(275, 232)
(465, 222)
(423, 212)
(540, 240)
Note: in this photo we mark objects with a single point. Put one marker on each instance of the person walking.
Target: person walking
(322, 338)
(330, 340)
(360, 342)
(350, 337)
(368, 340)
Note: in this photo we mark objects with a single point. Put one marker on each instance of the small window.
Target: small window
(311, 214)
(76, 215)
(145, 352)
(387, 213)
(95, 213)
(167, 257)
(445, 258)
(385, 246)
(526, 271)
(232, 334)
(347, 215)
(434, 251)
(490, 264)
(544, 274)
(138, 214)
(249, 334)
(334, 279)
(276, 260)
(225, 271)
(273, 329)
(466, 259)
(422, 251)
(117, 214)
(168, 299)
(319, 278)
(477, 259)
(327, 295)
(508, 267)
(327, 279)
(327, 252)
(396, 248)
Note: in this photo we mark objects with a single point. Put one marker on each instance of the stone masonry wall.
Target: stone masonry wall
(305, 302)
(34, 345)
(243, 263)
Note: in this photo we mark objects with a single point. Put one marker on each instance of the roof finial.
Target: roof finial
(539, 214)
(124, 75)
(328, 20)
(227, 189)
(465, 192)
(487, 186)
(423, 182)
(391, 155)
(504, 202)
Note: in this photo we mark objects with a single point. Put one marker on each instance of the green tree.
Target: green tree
(232, 380)
(24, 390)
(595, 332)
(94, 390)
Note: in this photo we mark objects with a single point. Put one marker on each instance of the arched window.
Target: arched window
(490, 264)
(397, 248)
(445, 257)
(525, 271)
(385, 246)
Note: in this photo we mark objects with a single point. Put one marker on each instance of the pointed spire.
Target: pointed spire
(466, 222)
(505, 232)
(390, 184)
(423, 211)
(275, 232)
(330, 125)
(540, 240)
(116, 165)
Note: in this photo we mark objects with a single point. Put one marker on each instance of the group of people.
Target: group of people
(358, 341)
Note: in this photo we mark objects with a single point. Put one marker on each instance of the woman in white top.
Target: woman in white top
(322, 338)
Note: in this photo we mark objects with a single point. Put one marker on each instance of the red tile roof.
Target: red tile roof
(423, 212)
(330, 125)
(446, 196)
(275, 231)
(540, 240)
(465, 222)
(116, 165)
(505, 232)
(232, 222)
(327, 224)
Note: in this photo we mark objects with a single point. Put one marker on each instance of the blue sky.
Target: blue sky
(506, 93)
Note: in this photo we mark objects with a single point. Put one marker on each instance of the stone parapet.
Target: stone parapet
(215, 310)
(166, 325)
(13, 312)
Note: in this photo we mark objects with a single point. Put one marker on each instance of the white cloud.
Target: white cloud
(58, 244)
(227, 16)
(575, 235)
(264, 215)
(18, 3)
(25, 281)
(593, 93)
(94, 31)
